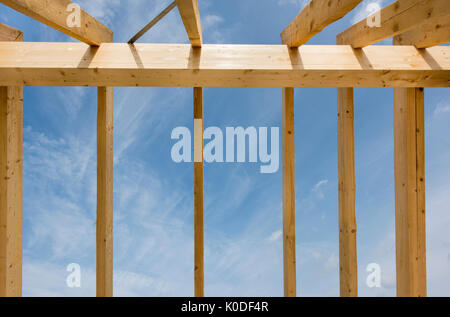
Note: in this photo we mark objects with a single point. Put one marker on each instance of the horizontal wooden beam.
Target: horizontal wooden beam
(55, 13)
(396, 18)
(191, 19)
(433, 33)
(8, 33)
(174, 65)
(314, 18)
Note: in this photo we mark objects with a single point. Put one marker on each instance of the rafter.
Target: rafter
(153, 22)
(433, 33)
(8, 33)
(54, 13)
(396, 18)
(191, 19)
(314, 18)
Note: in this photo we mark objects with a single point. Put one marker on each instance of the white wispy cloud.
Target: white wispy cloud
(103, 10)
(148, 223)
(362, 11)
(275, 236)
(442, 108)
(318, 188)
(212, 20)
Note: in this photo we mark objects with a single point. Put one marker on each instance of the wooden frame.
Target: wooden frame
(412, 63)
(54, 14)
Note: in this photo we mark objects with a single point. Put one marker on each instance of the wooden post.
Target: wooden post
(199, 269)
(11, 174)
(348, 267)
(105, 192)
(289, 261)
(410, 191)
(105, 173)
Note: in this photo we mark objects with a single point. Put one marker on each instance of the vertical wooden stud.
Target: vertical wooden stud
(289, 261)
(410, 191)
(199, 270)
(348, 267)
(11, 175)
(105, 158)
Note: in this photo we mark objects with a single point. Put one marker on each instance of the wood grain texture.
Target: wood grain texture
(398, 17)
(11, 120)
(432, 33)
(54, 14)
(191, 19)
(410, 192)
(105, 156)
(11, 180)
(348, 264)
(8, 33)
(314, 18)
(199, 270)
(174, 65)
(289, 259)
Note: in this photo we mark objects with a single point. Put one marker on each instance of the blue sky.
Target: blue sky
(153, 196)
